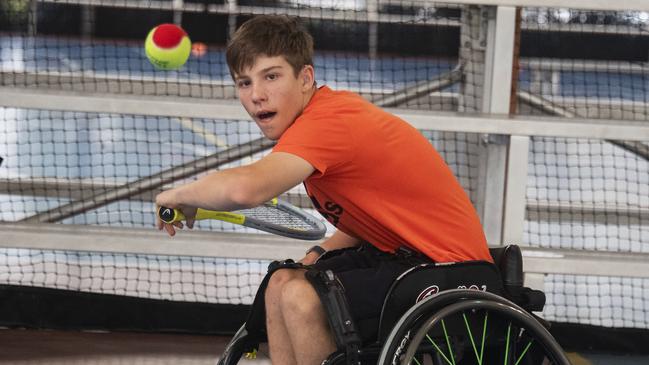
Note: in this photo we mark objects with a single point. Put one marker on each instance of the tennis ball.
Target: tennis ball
(167, 46)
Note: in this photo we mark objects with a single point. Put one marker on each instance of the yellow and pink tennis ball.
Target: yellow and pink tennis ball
(167, 46)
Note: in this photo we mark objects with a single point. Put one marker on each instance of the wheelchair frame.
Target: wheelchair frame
(409, 338)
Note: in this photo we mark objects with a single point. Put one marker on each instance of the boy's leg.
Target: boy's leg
(297, 326)
(298, 330)
(279, 344)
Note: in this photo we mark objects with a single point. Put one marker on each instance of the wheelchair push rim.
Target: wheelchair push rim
(520, 338)
(422, 313)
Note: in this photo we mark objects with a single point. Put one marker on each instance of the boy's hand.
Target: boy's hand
(189, 214)
(167, 199)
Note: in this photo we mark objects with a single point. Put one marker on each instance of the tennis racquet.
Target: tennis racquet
(276, 216)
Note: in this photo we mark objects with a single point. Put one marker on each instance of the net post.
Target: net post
(32, 18)
(486, 39)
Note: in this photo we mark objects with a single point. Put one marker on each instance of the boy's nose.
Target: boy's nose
(258, 94)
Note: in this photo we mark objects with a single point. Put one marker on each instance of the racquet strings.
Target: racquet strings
(273, 215)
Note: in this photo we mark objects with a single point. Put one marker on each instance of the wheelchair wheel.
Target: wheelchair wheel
(236, 348)
(464, 327)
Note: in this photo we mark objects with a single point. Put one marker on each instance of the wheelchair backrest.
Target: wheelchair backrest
(509, 261)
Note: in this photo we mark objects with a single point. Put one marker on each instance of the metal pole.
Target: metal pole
(152, 182)
(422, 88)
(540, 103)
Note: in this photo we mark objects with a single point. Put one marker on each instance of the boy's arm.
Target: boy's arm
(236, 188)
(337, 241)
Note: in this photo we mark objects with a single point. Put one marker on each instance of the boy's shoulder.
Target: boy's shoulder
(328, 93)
(332, 100)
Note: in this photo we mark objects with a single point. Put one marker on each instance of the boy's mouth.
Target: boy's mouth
(264, 116)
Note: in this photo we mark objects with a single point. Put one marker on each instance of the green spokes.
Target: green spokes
(448, 342)
(524, 351)
(449, 358)
(484, 335)
(440, 351)
(507, 341)
(514, 337)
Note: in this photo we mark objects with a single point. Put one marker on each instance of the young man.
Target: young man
(373, 176)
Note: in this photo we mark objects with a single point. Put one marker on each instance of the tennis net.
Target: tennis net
(551, 147)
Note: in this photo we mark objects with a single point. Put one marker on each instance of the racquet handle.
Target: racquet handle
(171, 215)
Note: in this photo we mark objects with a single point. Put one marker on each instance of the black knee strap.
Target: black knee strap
(333, 299)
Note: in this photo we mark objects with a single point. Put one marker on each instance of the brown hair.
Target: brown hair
(270, 35)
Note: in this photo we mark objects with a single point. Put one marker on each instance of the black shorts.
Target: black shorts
(366, 274)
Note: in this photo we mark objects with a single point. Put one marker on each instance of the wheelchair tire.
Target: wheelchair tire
(423, 329)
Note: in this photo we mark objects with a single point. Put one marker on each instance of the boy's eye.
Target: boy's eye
(243, 83)
(271, 76)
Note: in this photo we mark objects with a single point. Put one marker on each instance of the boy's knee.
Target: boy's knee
(278, 280)
(299, 297)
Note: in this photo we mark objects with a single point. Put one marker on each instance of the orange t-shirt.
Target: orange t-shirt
(378, 179)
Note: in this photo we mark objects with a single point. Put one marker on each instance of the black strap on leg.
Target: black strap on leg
(333, 299)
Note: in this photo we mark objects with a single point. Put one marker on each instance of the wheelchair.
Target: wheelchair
(451, 314)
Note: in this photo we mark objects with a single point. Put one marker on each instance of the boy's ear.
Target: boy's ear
(307, 77)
